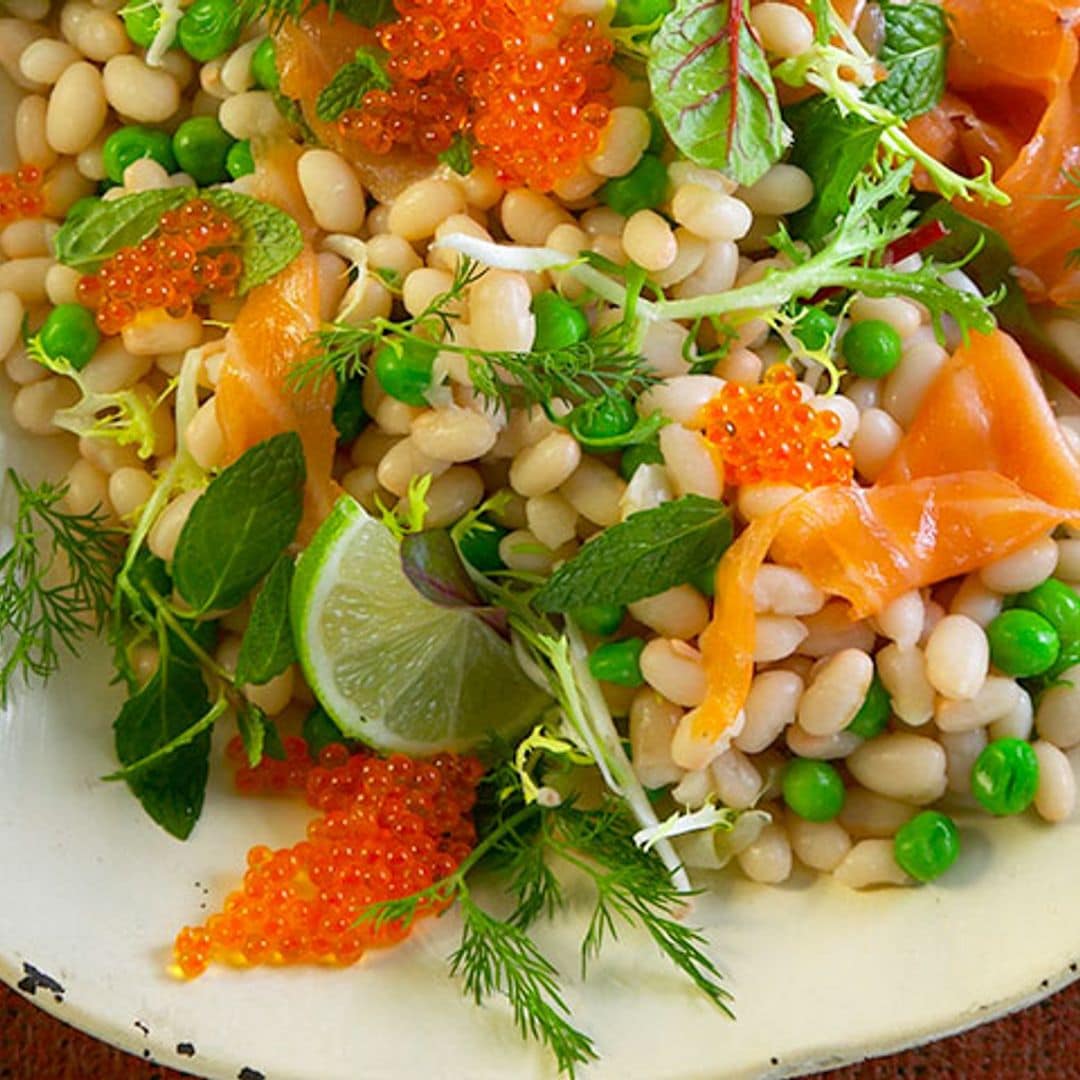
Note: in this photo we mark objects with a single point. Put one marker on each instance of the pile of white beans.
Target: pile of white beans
(81, 78)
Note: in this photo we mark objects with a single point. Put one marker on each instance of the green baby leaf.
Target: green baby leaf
(352, 81)
(713, 90)
(267, 647)
(833, 149)
(914, 51)
(99, 232)
(270, 239)
(459, 155)
(649, 552)
(244, 521)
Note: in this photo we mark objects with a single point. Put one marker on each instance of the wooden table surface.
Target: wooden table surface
(1040, 1043)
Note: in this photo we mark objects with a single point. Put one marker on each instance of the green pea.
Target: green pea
(642, 188)
(603, 422)
(872, 348)
(640, 12)
(873, 713)
(815, 328)
(142, 20)
(210, 28)
(559, 323)
(201, 146)
(404, 370)
(813, 789)
(264, 65)
(69, 333)
(1005, 776)
(927, 845)
(704, 580)
(645, 453)
(1022, 643)
(618, 662)
(480, 548)
(239, 161)
(1058, 604)
(128, 144)
(600, 619)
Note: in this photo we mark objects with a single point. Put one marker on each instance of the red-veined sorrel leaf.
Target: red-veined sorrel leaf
(712, 88)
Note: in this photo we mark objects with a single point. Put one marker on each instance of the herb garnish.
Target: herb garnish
(914, 51)
(713, 90)
(352, 81)
(647, 553)
(55, 581)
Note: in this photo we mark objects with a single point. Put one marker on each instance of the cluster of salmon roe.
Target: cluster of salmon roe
(189, 258)
(388, 827)
(20, 194)
(767, 433)
(530, 86)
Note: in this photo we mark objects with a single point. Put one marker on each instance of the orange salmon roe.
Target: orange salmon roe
(20, 194)
(767, 433)
(530, 86)
(388, 827)
(189, 258)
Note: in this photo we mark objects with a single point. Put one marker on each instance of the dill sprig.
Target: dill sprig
(496, 957)
(55, 581)
(605, 365)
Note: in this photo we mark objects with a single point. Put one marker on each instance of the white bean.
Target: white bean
(1057, 719)
(674, 669)
(902, 619)
(691, 466)
(453, 434)
(710, 214)
(836, 692)
(678, 612)
(396, 417)
(902, 766)
(11, 318)
(868, 814)
(101, 36)
(551, 519)
(832, 629)
(144, 94)
(997, 699)
(500, 312)
(906, 386)
(653, 720)
(402, 463)
(820, 747)
(770, 708)
(87, 489)
(332, 190)
(418, 210)
(874, 443)
(776, 637)
(903, 673)
(153, 332)
(45, 60)
(870, 863)
(681, 398)
(768, 859)
(595, 491)
(649, 241)
(902, 315)
(542, 467)
(166, 530)
(781, 590)
(236, 73)
(521, 550)
(1023, 569)
(716, 273)
(820, 845)
(976, 601)
(622, 142)
(735, 780)
(957, 657)
(452, 495)
(529, 217)
(251, 115)
(758, 500)
(961, 750)
(784, 188)
(1055, 798)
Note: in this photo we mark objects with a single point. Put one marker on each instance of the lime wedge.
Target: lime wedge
(393, 669)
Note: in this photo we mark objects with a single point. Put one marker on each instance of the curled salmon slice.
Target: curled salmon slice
(255, 399)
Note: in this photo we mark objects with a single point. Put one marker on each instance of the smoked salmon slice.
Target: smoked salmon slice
(255, 398)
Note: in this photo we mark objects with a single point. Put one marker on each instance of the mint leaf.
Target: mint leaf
(259, 734)
(833, 149)
(267, 647)
(459, 155)
(914, 52)
(172, 702)
(320, 731)
(347, 88)
(243, 522)
(86, 241)
(713, 90)
(649, 552)
(271, 239)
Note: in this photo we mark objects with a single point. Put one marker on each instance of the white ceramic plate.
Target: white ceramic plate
(93, 893)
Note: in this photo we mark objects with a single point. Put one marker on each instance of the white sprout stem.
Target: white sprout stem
(171, 13)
